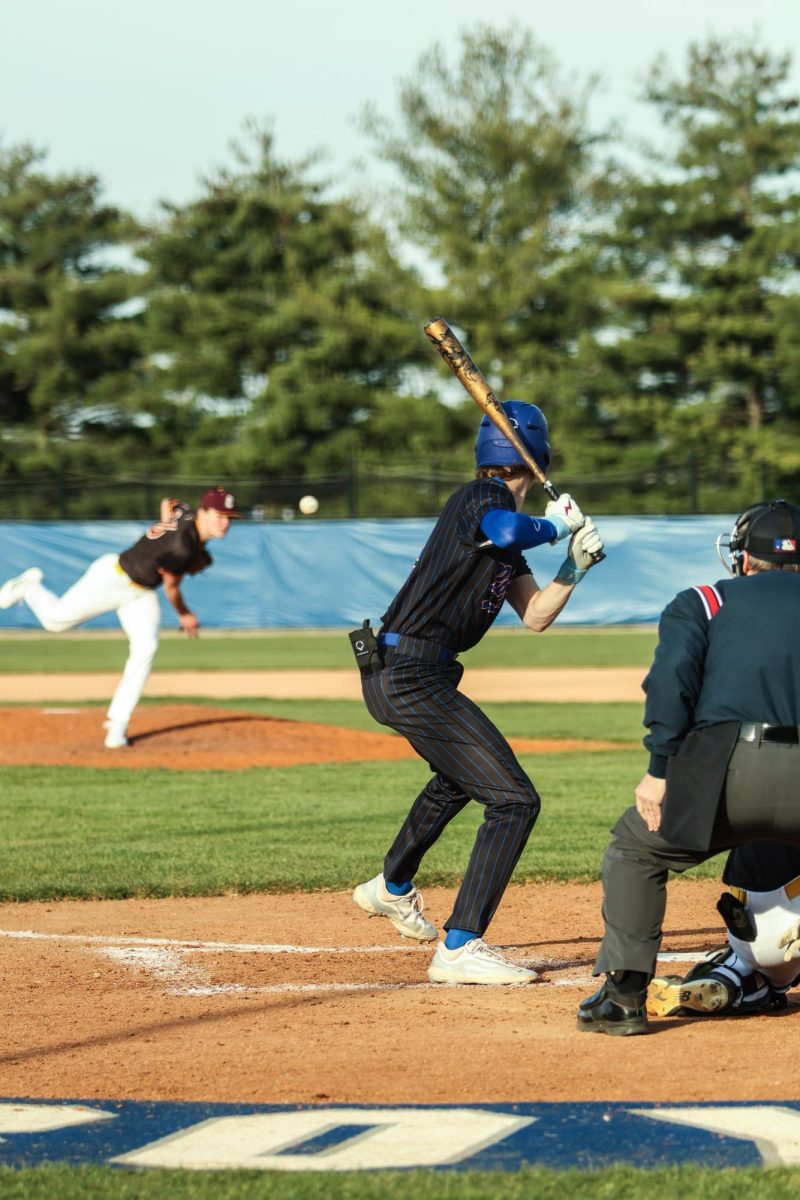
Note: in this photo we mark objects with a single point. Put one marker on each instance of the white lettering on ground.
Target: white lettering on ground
(775, 1130)
(393, 1139)
(42, 1118)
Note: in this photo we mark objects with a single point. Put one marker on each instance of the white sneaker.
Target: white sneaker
(475, 962)
(115, 735)
(13, 591)
(404, 912)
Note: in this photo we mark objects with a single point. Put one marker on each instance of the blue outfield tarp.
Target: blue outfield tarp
(328, 574)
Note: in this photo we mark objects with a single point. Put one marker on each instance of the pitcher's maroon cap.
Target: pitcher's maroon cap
(220, 499)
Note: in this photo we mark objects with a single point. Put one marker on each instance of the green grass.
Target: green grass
(112, 833)
(614, 722)
(213, 651)
(619, 1183)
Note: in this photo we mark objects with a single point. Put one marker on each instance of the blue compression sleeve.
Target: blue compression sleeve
(505, 529)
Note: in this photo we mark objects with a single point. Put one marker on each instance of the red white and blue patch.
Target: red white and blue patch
(786, 545)
(711, 598)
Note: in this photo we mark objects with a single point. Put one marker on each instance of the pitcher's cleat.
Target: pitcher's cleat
(116, 735)
(475, 962)
(404, 912)
(13, 590)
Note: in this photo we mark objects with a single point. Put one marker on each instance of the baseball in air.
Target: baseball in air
(308, 505)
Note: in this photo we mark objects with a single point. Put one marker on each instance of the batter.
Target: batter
(472, 563)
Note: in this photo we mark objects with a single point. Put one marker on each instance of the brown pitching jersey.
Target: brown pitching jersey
(173, 545)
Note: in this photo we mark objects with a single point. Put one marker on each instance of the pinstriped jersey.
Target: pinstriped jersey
(456, 589)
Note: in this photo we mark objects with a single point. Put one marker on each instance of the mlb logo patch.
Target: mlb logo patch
(787, 545)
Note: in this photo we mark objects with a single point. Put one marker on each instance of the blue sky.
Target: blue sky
(148, 95)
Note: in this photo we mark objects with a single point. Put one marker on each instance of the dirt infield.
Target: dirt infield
(482, 684)
(190, 738)
(302, 998)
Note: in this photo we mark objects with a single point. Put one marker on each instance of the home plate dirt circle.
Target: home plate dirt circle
(302, 999)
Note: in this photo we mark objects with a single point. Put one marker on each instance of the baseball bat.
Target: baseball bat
(474, 382)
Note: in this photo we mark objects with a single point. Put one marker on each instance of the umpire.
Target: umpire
(723, 713)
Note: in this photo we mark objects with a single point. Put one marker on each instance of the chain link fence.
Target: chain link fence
(397, 490)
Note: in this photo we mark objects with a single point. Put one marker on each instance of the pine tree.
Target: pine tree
(70, 339)
(710, 241)
(278, 320)
(500, 187)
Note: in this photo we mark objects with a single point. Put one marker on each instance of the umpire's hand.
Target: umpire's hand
(650, 800)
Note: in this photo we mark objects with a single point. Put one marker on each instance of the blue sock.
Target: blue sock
(398, 889)
(456, 938)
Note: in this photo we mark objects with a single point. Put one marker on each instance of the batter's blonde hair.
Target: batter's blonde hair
(502, 472)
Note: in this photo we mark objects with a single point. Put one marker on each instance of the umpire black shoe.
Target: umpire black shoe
(612, 1012)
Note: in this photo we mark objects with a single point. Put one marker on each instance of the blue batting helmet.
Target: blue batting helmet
(493, 450)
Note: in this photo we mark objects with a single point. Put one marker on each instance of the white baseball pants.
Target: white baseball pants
(104, 587)
(772, 913)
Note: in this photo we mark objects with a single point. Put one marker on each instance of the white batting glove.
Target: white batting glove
(565, 515)
(791, 940)
(583, 546)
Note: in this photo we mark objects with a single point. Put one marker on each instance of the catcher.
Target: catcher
(761, 962)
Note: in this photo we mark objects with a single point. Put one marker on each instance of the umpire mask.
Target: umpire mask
(769, 531)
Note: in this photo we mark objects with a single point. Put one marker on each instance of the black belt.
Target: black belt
(787, 735)
(429, 652)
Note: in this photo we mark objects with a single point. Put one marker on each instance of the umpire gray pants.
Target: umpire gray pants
(761, 800)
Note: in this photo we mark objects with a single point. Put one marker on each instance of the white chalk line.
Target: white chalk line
(164, 959)
(207, 947)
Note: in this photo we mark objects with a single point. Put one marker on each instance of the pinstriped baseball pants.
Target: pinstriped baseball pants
(471, 760)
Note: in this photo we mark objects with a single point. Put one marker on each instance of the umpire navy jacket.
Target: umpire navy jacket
(725, 655)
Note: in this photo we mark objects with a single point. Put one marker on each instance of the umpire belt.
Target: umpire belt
(787, 735)
(427, 652)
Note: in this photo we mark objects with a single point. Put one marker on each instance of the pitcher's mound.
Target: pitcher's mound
(188, 737)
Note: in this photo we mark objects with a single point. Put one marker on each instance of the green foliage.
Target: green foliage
(70, 338)
(269, 333)
(709, 244)
(499, 172)
(277, 319)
